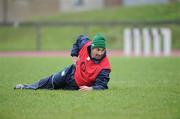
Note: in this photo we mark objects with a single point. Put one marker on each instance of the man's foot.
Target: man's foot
(19, 86)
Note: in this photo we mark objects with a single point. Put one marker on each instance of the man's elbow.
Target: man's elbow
(100, 87)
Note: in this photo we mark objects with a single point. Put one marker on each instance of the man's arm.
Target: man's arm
(80, 42)
(101, 82)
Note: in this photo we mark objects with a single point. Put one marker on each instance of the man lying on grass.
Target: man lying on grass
(90, 70)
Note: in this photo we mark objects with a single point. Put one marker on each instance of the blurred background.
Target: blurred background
(44, 25)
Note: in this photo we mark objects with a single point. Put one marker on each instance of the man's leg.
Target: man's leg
(44, 83)
(55, 81)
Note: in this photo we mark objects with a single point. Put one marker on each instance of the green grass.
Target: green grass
(61, 38)
(146, 12)
(140, 88)
(17, 38)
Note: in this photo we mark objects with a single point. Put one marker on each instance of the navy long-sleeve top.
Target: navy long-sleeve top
(103, 78)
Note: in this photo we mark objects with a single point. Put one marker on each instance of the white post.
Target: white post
(156, 42)
(166, 32)
(147, 42)
(127, 42)
(137, 41)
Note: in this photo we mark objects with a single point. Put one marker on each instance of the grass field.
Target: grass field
(140, 88)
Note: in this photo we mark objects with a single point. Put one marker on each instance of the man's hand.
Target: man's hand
(85, 88)
(75, 59)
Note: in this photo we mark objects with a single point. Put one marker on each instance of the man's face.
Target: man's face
(98, 53)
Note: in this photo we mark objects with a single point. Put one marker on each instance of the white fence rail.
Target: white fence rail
(147, 42)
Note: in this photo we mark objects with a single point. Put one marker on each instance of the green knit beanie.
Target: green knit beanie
(98, 41)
